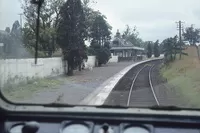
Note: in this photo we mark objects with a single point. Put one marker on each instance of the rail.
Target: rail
(150, 82)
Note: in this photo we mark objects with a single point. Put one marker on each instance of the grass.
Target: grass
(184, 76)
(23, 91)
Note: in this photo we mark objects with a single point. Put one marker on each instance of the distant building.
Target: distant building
(125, 50)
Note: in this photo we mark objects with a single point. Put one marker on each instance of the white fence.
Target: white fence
(18, 70)
(113, 59)
(90, 62)
(14, 71)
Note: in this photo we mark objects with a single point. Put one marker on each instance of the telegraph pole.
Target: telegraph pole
(20, 15)
(180, 28)
(39, 5)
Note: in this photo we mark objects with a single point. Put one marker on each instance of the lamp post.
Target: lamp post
(39, 5)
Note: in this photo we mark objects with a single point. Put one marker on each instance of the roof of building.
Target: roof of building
(124, 48)
(123, 44)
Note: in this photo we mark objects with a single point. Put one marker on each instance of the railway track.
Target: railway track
(142, 92)
(135, 88)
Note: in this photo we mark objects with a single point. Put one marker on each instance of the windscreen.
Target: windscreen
(135, 53)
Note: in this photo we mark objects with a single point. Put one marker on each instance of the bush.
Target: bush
(103, 56)
(91, 51)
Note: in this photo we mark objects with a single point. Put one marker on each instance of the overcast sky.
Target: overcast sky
(154, 19)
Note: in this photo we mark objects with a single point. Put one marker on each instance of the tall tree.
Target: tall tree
(168, 49)
(156, 49)
(13, 47)
(71, 32)
(90, 15)
(100, 34)
(100, 31)
(149, 50)
(131, 34)
(177, 47)
(16, 37)
(193, 36)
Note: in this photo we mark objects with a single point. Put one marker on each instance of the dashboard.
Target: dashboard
(97, 123)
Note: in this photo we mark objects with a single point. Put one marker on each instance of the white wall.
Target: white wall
(18, 70)
(90, 62)
(21, 70)
(113, 59)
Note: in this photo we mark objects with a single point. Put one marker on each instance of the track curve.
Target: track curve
(135, 88)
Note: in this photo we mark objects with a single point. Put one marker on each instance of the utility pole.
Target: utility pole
(180, 28)
(39, 5)
(20, 15)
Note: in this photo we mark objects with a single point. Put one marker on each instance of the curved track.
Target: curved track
(135, 88)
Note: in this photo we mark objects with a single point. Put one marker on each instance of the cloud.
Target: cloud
(155, 19)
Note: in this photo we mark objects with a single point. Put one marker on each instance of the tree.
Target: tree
(149, 50)
(16, 29)
(100, 34)
(168, 49)
(156, 49)
(171, 48)
(7, 29)
(107, 45)
(102, 53)
(100, 31)
(16, 39)
(177, 47)
(49, 18)
(71, 33)
(132, 36)
(193, 36)
(103, 56)
(12, 40)
(90, 16)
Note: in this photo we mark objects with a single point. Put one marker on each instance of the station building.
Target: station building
(125, 50)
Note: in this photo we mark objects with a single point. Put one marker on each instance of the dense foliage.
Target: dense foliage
(156, 49)
(71, 33)
(193, 36)
(12, 40)
(171, 47)
(49, 18)
(100, 36)
(149, 50)
(132, 36)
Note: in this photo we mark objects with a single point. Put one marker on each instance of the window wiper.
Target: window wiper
(170, 108)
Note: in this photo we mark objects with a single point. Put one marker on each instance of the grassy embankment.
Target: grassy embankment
(184, 76)
(24, 91)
